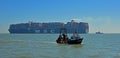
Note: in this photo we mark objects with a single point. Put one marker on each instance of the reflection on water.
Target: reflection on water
(44, 46)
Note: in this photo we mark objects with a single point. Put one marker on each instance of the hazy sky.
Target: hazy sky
(102, 15)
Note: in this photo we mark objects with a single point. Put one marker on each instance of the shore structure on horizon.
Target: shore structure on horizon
(49, 28)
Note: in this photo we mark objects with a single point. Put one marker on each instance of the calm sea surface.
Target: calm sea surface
(44, 46)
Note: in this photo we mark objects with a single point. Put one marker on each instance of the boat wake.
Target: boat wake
(49, 42)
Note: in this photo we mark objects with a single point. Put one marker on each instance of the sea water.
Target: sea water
(45, 46)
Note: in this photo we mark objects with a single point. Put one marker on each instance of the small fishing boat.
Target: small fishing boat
(63, 38)
(99, 32)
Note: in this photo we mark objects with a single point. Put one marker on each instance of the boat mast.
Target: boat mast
(63, 30)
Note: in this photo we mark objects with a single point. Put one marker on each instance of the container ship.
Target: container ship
(49, 27)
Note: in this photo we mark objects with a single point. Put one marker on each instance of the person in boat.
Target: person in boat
(65, 38)
(60, 36)
(75, 36)
(60, 39)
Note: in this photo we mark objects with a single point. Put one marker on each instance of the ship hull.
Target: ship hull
(42, 32)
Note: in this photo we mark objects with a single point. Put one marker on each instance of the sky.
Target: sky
(102, 15)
